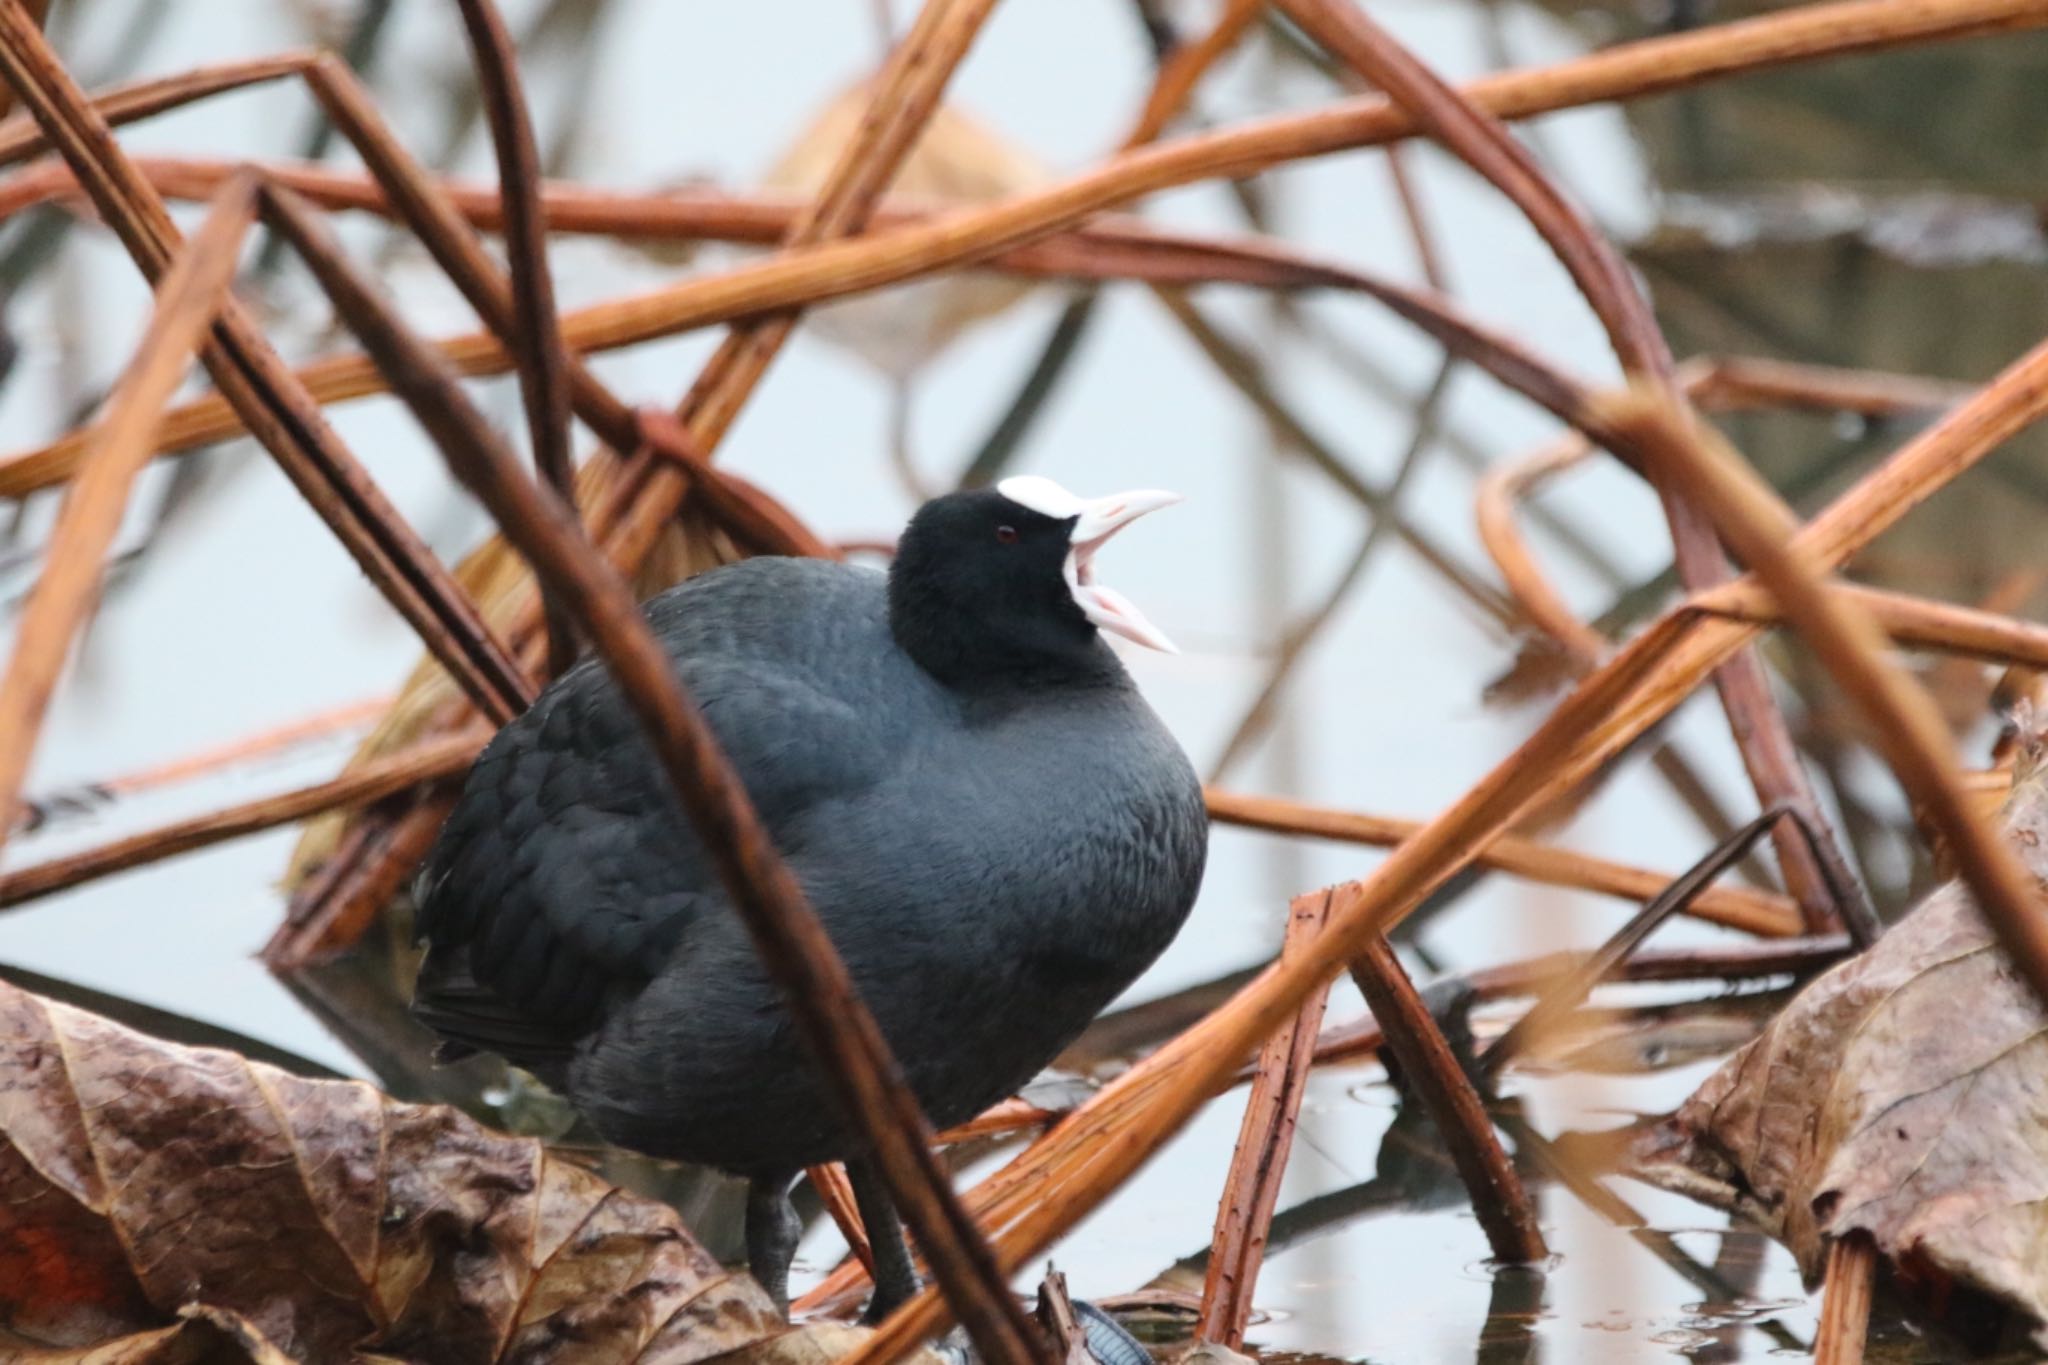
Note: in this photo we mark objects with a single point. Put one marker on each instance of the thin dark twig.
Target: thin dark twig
(1439, 1081)
(537, 331)
(1236, 362)
(1062, 344)
(358, 53)
(1386, 518)
(1577, 984)
(853, 1057)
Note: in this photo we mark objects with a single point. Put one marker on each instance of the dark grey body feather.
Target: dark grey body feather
(995, 863)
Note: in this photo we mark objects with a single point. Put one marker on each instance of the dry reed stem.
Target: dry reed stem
(1738, 962)
(905, 94)
(38, 12)
(1182, 70)
(187, 299)
(1007, 1192)
(1904, 723)
(835, 1192)
(428, 762)
(1108, 246)
(536, 336)
(756, 520)
(337, 903)
(1720, 383)
(261, 387)
(1910, 622)
(1063, 1176)
(1124, 253)
(1436, 1077)
(845, 1042)
(262, 744)
(970, 236)
(1484, 143)
(1850, 1286)
(1755, 912)
(1251, 1190)
(1498, 492)
(21, 138)
(415, 197)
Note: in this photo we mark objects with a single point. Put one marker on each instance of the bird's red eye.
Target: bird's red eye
(1007, 534)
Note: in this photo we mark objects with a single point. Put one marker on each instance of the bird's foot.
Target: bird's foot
(773, 1230)
(887, 1299)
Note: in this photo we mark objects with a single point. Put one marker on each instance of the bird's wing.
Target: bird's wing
(569, 871)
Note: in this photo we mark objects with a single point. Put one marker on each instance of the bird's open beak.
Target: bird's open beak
(1099, 519)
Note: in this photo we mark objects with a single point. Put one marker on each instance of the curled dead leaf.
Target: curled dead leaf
(1901, 1094)
(161, 1204)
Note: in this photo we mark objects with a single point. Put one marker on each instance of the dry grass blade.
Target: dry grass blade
(21, 138)
(1905, 724)
(537, 331)
(256, 381)
(1755, 912)
(426, 763)
(1074, 1167)
(1845, 1305)
(1251, 1191)
(188, 298)
(1432, 1070)
(843, 1037)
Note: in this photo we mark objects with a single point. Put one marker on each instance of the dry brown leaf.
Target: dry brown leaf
(1903, 1094)
(161, 1204)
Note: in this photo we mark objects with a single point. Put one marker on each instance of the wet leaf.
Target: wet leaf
(1901, 1094)
(317, 1220)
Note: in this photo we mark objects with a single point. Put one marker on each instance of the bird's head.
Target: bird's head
(1001, 581)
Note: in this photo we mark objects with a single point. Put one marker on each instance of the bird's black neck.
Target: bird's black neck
(997, 654)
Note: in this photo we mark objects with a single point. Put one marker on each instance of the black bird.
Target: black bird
(997, 832)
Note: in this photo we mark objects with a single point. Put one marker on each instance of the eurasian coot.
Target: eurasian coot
(997, 832)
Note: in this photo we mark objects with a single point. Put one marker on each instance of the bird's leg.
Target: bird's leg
(773, 1230)
(895, 1275)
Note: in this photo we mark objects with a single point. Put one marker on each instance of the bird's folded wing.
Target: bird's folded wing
(570, 873)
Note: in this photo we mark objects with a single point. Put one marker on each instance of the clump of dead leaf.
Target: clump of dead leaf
(164, 1204)
(1904, 1094)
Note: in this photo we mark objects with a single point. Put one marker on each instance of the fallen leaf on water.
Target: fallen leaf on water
(1903, 1094)
(164, 1204)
